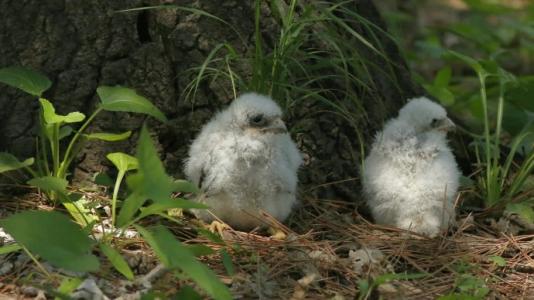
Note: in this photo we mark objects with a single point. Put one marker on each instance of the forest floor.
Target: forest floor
(330, 252)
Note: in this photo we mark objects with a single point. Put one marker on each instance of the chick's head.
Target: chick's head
(257, 114)
(426, 116)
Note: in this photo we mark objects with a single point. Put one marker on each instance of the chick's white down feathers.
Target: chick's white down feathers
(244, 161)
(410, 177)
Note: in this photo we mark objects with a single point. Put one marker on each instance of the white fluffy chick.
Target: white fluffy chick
(410, 178)
(244, 162)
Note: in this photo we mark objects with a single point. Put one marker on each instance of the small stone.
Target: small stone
(88, 289)
(6, 268)
(29, 291)
(363, 257)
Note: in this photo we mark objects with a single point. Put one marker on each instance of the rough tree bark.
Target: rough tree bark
(80, 45)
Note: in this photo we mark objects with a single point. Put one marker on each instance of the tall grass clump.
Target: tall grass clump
(504, 167)
(313, 59)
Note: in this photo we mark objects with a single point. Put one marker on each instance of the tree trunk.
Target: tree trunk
(81, 45)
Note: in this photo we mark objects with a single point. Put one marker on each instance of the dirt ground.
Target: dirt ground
(330, 252)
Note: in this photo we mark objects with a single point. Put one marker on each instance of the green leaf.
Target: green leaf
(443, 78)
(103, 179)
(54, 237)
(109, 137)
(211, 236)
(9, 248)
(521, 93)
(523, 209)
(27, 80)
(444, 96)
(127, 100)
(185, 186)
(117, 261)
(498, 260)
(155, 183)
(474, 64)
(64, 132)
(363, 288)
(164, 205)
(129, 208)
(200, 250)
(123, 162)
(73, 203)
(174, 255)
(67, 286)
(50, 116)
(152, 182)
(187, 292)
(227, 262)
(49, 183)
(397, 276)
(8, 162)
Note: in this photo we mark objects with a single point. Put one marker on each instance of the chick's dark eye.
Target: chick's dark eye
(434, 122)
(257, 119)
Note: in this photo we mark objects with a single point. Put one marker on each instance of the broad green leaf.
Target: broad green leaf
(227, 262)
(514, 119)
(73, 203)
(524, 210)
(117, 261)
(123, 162)
(109, 137)
(127, 100)
(8, 162)
(397, 276)
(103, 179)
(67, 286)
(173, 254)
(363, 288)
(164, 205)
(64, 132)
(498, 260)
(50, 116)
(187, 292)
(473, 63)
(443, 78)
(211, 236)
(444, 96)
(185, 186)
(199, 249)
(129, 208)
(54, 237)
(9, 248)
(49, 183)
(76, 206)
(27, 80)
(521, 93)
(155, 183)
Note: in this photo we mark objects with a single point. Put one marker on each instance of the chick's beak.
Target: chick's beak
(446, 125)
(276, 126)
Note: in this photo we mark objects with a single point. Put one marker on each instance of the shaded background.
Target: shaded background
(81, 45)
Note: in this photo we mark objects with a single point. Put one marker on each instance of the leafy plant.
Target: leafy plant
(124, 163)
(70, 248)
(52, 162)
(502, 179)
(366, 287)
(54, 237)
(468, 287)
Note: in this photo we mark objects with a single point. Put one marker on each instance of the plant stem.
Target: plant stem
(120, 176)
(55, 149)
(489, 185)
(39, 265)
(66, 158)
